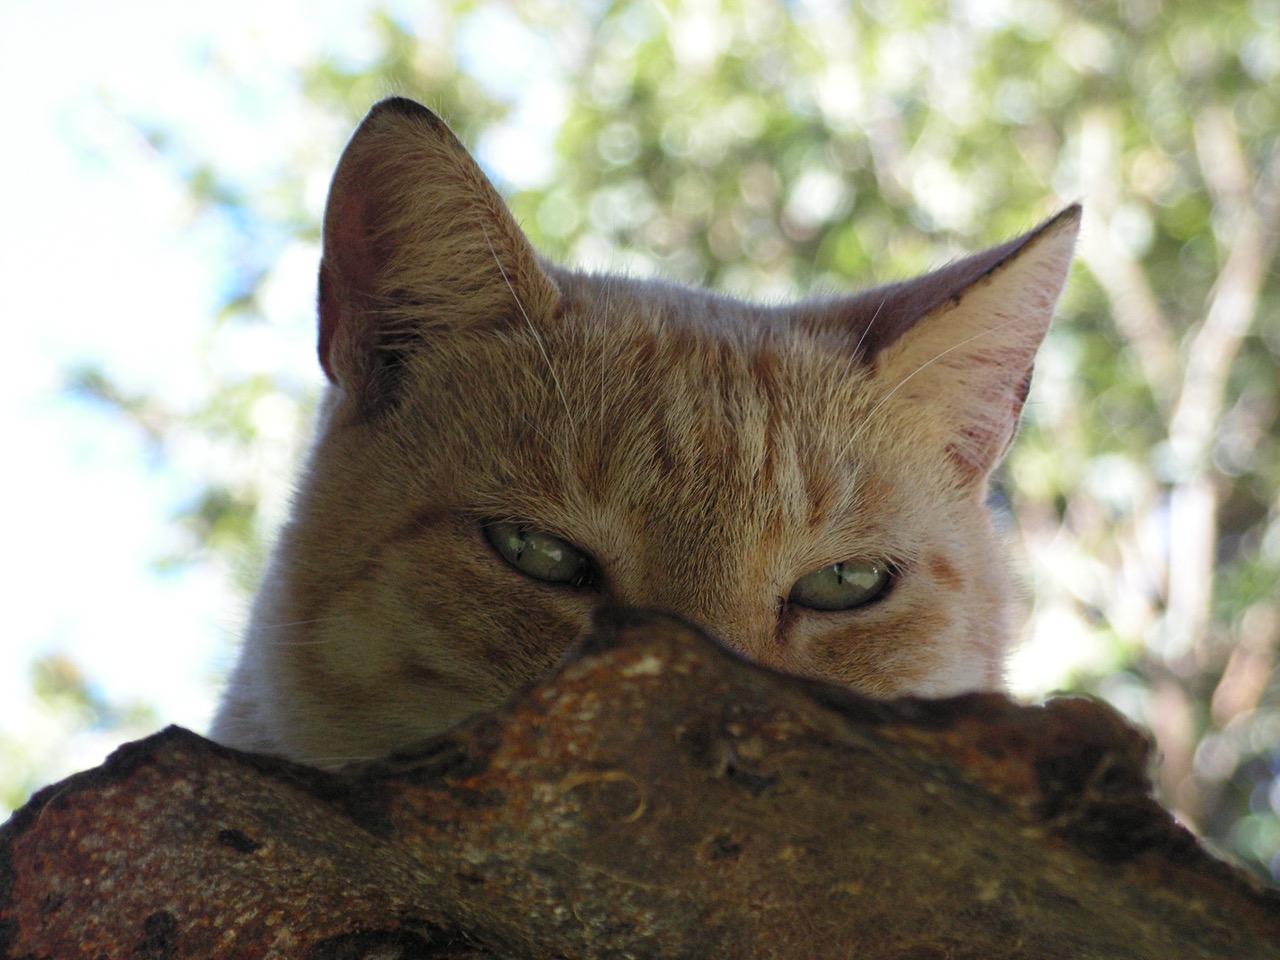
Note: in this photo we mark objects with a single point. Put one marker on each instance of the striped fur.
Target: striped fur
(705, 452)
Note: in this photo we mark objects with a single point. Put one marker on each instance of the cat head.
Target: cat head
(506, 445)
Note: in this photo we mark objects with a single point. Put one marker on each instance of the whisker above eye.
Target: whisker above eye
(542, 347)
(866, 331)
(338, 760)
(868, 421)
(285, 624)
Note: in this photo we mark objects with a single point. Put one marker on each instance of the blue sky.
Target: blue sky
(103, 260)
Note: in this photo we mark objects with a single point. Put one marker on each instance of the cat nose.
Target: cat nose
(757, 637)
(738, 619)
(761, 643)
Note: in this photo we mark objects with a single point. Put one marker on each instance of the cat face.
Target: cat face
(506, 446)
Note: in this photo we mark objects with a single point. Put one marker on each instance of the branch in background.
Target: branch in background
(1251, 665)
(1193, 428)
(1193, 398)
(1234, 300)
(1134, 306)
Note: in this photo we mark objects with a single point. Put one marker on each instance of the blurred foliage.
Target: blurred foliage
(767, 148)
(69, 709)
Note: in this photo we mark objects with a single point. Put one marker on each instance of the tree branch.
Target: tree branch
(1134, 306)
(657, 797)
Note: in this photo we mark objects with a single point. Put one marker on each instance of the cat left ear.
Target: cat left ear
(416, 242)
(966, 360)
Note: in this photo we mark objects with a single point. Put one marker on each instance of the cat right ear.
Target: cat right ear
(417, 242)
(967, 362)
(958, 344)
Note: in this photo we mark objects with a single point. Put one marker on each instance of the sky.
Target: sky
(103, 261)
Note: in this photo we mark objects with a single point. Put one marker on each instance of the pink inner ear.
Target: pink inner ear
(993, 410)
(346, 232)
(348, 268)
(978, 449)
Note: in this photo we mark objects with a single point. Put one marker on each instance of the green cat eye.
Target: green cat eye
(540, 555)
(842, 586)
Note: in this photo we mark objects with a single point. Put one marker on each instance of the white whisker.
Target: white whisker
(332, 763)
(532, 329)
(866, 422)
(608, 292)
(855, 354)
(284, 625)
(862, 337)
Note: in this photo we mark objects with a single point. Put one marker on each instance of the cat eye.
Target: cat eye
(540, 555)
(842, 586)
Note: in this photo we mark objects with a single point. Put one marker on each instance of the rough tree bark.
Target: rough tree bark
(655, 797)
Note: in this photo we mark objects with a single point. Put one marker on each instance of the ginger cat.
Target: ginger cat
(505, 445)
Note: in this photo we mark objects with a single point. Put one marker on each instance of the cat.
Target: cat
(505, 445)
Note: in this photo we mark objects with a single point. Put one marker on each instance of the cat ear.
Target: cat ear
(960, 343)
(416, 240)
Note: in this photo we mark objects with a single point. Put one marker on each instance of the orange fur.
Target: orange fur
(705, 453)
